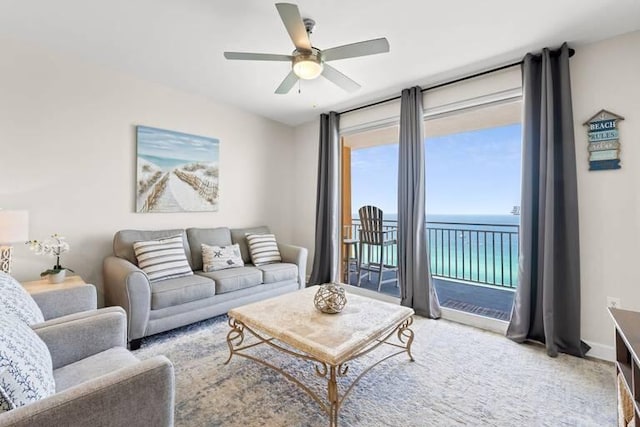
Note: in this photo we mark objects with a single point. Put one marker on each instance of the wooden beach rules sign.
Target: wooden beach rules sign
(604, 142)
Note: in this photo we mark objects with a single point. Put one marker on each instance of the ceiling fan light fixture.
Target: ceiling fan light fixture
(307, 66)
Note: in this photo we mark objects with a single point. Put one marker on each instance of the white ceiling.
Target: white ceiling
(180, 42)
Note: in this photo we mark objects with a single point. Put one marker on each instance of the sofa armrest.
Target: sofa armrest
(78, 339)
(61, 302)
(138, 395)
(128, 286)
(295, 255)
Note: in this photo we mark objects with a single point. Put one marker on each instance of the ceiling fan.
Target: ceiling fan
(308, 62)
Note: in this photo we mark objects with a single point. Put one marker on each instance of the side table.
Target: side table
(43, 285)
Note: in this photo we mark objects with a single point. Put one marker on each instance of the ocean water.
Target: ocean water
(476, 248)
(464, 219)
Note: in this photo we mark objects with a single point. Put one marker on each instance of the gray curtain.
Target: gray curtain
(327, 247)
(416, 288)
(547, 302)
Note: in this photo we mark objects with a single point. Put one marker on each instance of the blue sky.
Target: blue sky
(175, 145)
(468, 173)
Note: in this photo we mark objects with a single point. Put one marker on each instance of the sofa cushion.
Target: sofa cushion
(220, 236)
(278, 272)
(170, 292)
(163, 259)
(263, 249)
(124, 239)
(16, 301)
(239, 236)
(93, 367)
(234, 278)
(26, 370)
(216, 258)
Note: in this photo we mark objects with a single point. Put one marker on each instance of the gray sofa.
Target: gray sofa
(163, 305)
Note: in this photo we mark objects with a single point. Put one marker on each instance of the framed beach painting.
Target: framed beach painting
(176, 172)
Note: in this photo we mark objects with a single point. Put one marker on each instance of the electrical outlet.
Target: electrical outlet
(613, 302)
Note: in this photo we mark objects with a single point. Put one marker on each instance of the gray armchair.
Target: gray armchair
(98, 381)
(59, 306)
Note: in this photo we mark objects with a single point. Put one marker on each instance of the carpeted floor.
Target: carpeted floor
(461, 376)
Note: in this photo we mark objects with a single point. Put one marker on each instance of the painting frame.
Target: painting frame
(176, 171)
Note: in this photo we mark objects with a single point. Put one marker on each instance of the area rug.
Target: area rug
(461, 376)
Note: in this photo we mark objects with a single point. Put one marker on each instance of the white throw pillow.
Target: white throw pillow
(26, 370)
(216, 258)
(163, 258)
(15, 300)
(263, 249)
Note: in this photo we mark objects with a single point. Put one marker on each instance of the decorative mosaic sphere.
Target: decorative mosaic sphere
(330, 298)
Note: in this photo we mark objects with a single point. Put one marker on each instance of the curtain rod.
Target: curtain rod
(447, 83)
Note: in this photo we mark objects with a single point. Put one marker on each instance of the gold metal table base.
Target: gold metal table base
(402, 332)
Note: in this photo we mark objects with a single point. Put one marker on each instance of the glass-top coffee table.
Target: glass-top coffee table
(291, 324)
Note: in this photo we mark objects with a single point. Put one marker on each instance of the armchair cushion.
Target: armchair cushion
(93, 367)
(26, 372)
(137, 395)
(16, 301)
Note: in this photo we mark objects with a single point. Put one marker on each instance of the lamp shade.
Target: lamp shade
(307, 69)
(14, 226)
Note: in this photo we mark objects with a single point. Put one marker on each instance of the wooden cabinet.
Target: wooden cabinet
(627, 352)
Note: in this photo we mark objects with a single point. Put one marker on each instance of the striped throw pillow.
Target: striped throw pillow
(263, 249)
(163, 258)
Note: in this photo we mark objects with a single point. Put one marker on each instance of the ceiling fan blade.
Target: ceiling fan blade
(292, 21)
(246, 56)
(353, 50)
(287, 83)
(339, 79)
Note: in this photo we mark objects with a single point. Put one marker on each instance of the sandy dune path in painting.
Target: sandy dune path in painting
(179, 196)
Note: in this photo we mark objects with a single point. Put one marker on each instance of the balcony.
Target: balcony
(474, 266)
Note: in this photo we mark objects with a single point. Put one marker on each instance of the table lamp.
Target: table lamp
(14, 227)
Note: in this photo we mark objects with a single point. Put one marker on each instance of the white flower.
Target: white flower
(54, 246)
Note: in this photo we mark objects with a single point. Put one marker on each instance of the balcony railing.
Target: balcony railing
(476, 253)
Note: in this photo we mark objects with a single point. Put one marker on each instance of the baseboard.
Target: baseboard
(601, 351)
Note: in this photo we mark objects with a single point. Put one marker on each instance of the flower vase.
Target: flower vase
(57, 277)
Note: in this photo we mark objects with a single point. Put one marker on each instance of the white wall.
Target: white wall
(604, 75)
(67, 155)
(306, 176)
(607, 75)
